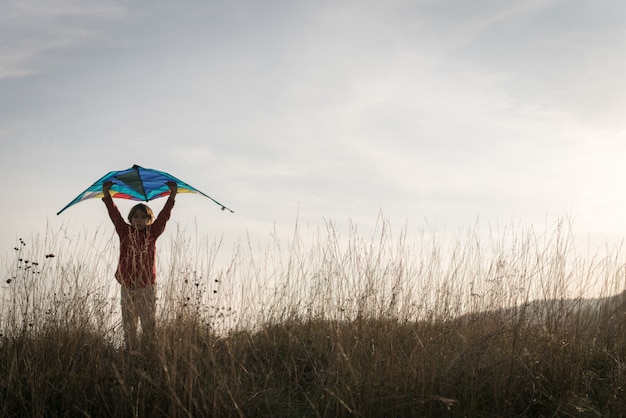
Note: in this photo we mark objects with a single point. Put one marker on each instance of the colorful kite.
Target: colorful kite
(137, 183)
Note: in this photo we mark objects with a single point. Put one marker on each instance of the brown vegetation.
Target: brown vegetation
(62, 358)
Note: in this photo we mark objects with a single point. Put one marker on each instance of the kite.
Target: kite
(137, 183)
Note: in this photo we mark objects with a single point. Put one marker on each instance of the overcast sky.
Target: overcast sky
(440, 111)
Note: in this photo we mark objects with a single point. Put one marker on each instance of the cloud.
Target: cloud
(32, 28)
(193, 155)
(417, 108)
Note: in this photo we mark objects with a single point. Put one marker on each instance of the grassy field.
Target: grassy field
(337, 324)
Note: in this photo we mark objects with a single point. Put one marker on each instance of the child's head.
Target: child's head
(140, 216)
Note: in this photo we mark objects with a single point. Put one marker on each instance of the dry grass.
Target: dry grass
(338, 324)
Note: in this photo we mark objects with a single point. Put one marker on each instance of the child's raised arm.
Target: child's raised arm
(114, 213)
(106, 187)
(173, 188)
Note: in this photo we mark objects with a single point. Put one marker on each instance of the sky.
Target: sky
(439, 112)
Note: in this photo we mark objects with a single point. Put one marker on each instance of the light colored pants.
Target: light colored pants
(138, 305)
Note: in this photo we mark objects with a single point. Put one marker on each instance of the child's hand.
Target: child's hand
(106, 187)
(173, 187)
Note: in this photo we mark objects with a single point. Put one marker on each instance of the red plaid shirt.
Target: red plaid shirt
(137, 264)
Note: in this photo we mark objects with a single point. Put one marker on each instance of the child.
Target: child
(136, 271)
